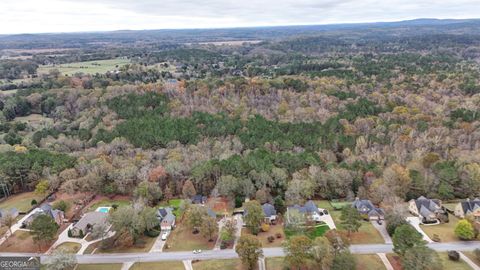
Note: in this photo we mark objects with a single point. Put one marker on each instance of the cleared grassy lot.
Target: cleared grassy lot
(233, 264)
(182, 239)
(22, 201)
(89, 67)
(369, 262)
(175, 203)
(158, 265)
(263, 236)
(144, 244)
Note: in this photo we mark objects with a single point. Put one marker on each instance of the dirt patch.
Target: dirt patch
(219, 205)
(395, 261)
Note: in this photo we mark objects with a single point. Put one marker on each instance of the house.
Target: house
(166, 218)
(270, 213)
(46, 209)
(468, 208)
(368, 210)
(13, 212)
(199, 199)
(309, 209)
(87, 222)
(428, 210)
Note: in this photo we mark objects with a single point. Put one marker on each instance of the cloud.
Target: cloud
(31, 16)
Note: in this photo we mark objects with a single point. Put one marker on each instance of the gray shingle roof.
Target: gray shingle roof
(92, 218)
(469, 206)
(269, 210)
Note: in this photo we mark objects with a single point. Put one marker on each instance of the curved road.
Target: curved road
(230, 253)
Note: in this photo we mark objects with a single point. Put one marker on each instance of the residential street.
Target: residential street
(230, 253)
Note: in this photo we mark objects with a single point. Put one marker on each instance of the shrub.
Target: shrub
(270, 239)
(223, 245)
(464, 230)
(61, 205)
(265, 227)
(278, 235)
(34, 202)
(453, 255)
(152, 233)
(69, 233)
(436, 238)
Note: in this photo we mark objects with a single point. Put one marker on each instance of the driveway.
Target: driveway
(328, 220)
(238, 233)
(159, 243)
(415, 222)
(382, 229)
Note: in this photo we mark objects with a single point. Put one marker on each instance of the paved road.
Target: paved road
(230, 253)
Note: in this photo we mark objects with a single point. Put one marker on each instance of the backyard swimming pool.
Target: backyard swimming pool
(103, 209)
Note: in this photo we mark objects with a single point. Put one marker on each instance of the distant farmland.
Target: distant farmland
(89, 67)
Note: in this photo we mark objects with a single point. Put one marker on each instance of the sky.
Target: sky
(45, 16)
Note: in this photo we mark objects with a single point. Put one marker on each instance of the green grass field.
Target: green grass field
(69, 247)
(449, 264)
(173, 265)
(369, 262)
(109, 203)
(175, 203)
(276, 263)
(22, 201)
(89, 67)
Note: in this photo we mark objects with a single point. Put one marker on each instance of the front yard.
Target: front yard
(176, 205)
(449, 264)
(369, 262)
(471, 256)
(144, 244)
(182, 239)
(69, 247)
(273, 231)
(232, 264)
(312, 233)
(22, 241)
(22, 201)
(170, 265)
(276, 263)
(445, 231)
(367, 234)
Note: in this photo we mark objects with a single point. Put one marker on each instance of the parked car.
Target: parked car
(164, 236)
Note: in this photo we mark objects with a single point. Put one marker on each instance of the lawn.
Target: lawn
(108, 203)
(367, 234)
(369, 262)
(173, 265)
(22, 201)
(276, 263)
(263, 236)
(338, 205)
(105, 266)
(69, 247)
(175, 203)
(182, 239)
(88, 67)
(144, 244)
(449, 264)
(444, 231)
(233, 264)
(22, 241)
(471, 256)
(318, 231)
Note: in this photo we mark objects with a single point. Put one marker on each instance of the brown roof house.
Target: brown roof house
(87, 222)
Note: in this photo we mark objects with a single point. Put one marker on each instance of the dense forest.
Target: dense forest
(377, 111)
